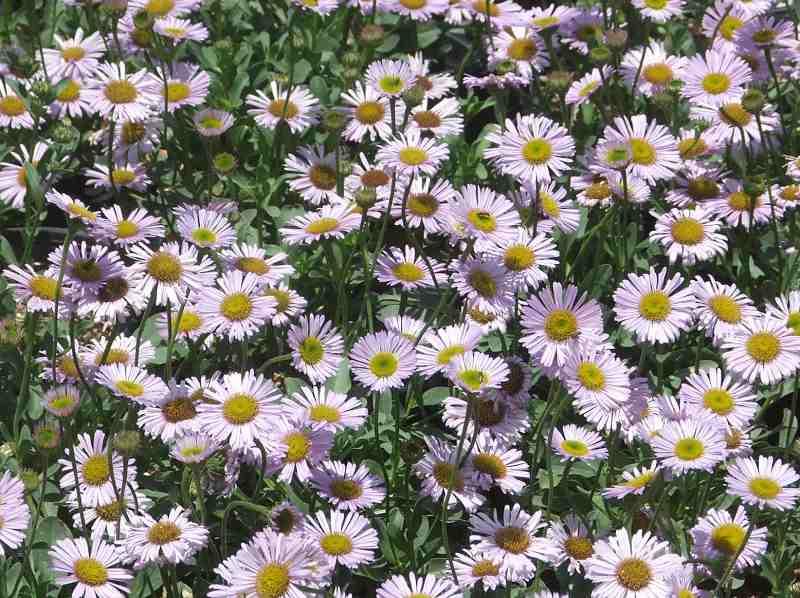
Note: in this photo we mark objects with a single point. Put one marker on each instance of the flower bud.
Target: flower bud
(365, 197)
(753, 101)
(559, 80)
(334, 120)
(371, 36)
(600, 55)
(351, 59)
(30, 479)
(224, 163)
(414, 96)
(128, 442)
(143, 20)
(617, 39)
(47, 437)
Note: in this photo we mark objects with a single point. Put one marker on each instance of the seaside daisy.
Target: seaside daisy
(658, 68)
(439, 347)
(15, 514)
(411, 154)
(484, 283)
(193, 448)
(728, 400)
(689, 444)
(594, 375)
(714, 78)
(390, 78)
(120, 96)
(442, 475)
(325, 408)
(348, 486)
(112, 225)
(721, 308)
(718, 537)
(332, 221)
(764, 483)
(475, 372)
(346, 538)
(317, 347)
(182, 84)
(171, 416)
(473, 567)
(403, 268)
(762, 350)
(572, 542)
(212, 123)
(128, 381)
(412, 586)
(689, 236)
(14, 177)
(236, 308)
(171, 271)
(75, 57)
(296, 449)
(382, 360)
(575, 443)
(297, 107)
(312, 174)
(170, 539)
(180, 30)
(635, 481)
(95, 570)
(14, 112)
(495, 463)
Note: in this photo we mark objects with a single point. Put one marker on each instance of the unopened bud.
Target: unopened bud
(143, 20)
(224, 163)
(414, 96)
(351, 59)
(128, 442)
(616, 39)
(600, 55)
(365, 197)
(559, 80)
(47, 437)
(753, 101)
(30, 479)
(371, 35)
(334, 120)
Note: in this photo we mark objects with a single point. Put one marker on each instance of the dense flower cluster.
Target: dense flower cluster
(332, 329)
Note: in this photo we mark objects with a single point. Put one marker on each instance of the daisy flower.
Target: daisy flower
(554, 319)
(732, 124)
(61, 401)
(74, 57)
(689, 236)
(115, 298)
(510, 536)
(658, 69)
(188, 324)
(526, 257)
(651, 307)
(439, 347)
(407, 327)
(205, 228)
(171, 539)
(435, 85)
(317, 347)
(427, 205)
(95, 466)
(495, 463)
(581, 90)
(473, 567)
(212, 123)
(730, 402)
(368, 114)
(312, 174)
(721, 307)
(381, 361)
(346, 539)
(572, 542)
(75, 209)
(348, 486)
(493, 415)
(172, 416)
(660, 11)
(484, 215)
(85, 267)
(171, 271)
(298, 108)
(689, 444)
(634, 565)
(158, 9)
(330, 222)
(70, 100)
(721, 21)
(715, 78)
(122, 349)
(107, 519)
(651, 150)
(253, 259)
(523, 46)
(390, 78)
(576, 443)
(236, 308)
(786, 308)
(289, 303)
(441, 475)
(412, 586)
(696, 144)
(186, 85)
(516, 387)
(582, 28)
(635, 481)
(762, 349)
(718, 537)
(95, 570)
(15, 514)
(763, 483)
(193, 448)
(14, 178)
(38, 292)
(131, 140)
(287, 519)
(592, 375)
(410, 154)
(112, 225)
(180, 30)
(543, 18)
(296, 449)
(128, 381)
(14, 112)
(440, 120)
(556, 212)
(241, 407)
(121, 176)
(121, 96)
(484, 283)
(326, 409)
(271, 563)
(533, 148)
(402, 267)
(475, 372)
(738, 208)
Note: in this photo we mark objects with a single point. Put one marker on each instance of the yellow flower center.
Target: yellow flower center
(178, 410)
(588, 89)
(211, 122)
(544, 22)
(691, 148)
(515, 540)
(311, 350)
(81, 212)
(490, 464)
(522, 50)
(272, 581)
(642, 151)
(427, 119)
(369, 113)
(70, 92)
(90, 572)
(282, 297)
(87, 271)
(159, 8)
(485, 568)
(129, 388)
(689, 449)
(12, 106)
(765, 488)
(177, 91)
(655, 4)
(448, 476)
(325, 413)
(728, 538)
(298, 446)
(549, 205)
(62, 401)
(189, 322)
(578, 547)
(67, 367)
(729, 26)
(255, 265)
(346, 489)
(240, 409)
(560, 325)
(121, 92)
(486, 7)
(43, 287)
(640, 481)
(537, 151)
(122, 176)
(658, 74)
(408, 272)
(163, 532)
(688, 231)
(422, 205)
(72, 53)
(283, 109)
(448, 353)
(322, 177)
(127, 229)
(236, 307)
(110, 512)
(96, 470)
(740, 201)
(132, 132)
(473, 379)
(518, 258)
(204, 237)
(114, 356)
(634, 574)
(576, 448)
(413, 156)
(374, 178)
(790, 193)
(482, 220)
(164, 267)
(793, 322)
(391, 84)
(718, 400)
(763, 347)
(764, 36)
(336, 544)
(716, 83)
(735, 115)
(591, 376)
(322, 226)
(655, 306)
(726, 309)
(383, 364)
(483, 283)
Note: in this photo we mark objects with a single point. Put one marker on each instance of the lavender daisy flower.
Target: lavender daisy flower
(171, 271)
(762, 350)
(75, 57)
(313, 174)
(402, 267)
(236, 309)
(95, 571)
(689, 444)
(442, 475)
(718, 536)
(330, 222)
(412, 586)
(382, 361)
(346, 539)
(171, 539)
(14, 513)
(348, 486)
(298, 108)
(325, 409)
(317, 347)
(715, 78)
(689, 236)
(410, 154)
(296, 449)
(764, 483)
(121, 96)
(112, 225)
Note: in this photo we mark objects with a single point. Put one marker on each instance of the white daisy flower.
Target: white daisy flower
(494, 463)
(575, 443)
(171, 271)
(439, 347)
(131, 382)
(689, 444)
(75, 57)
(596, 376)
(313, 174)
(326, 409)
(763, 483)
(390, 78)
(346, 538)
(121, 96)
(296, 449)
(473, 567)
(635, 481)
(348, 486)
(573, 543)
(442, 475)
(730, 402)
(330, 222)
(689, 236)
(317, 347)
(409, 154)
(721, 308)
(475, 372)
(368, 114)
(299, 109)
(171, 539)
(762, 350)
(236, 309)
(96, 571)
(718, 537)
(382, 361)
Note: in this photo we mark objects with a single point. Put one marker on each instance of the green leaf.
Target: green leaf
(434, 396)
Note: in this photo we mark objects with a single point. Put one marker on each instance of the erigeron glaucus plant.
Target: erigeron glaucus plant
(399, 298)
